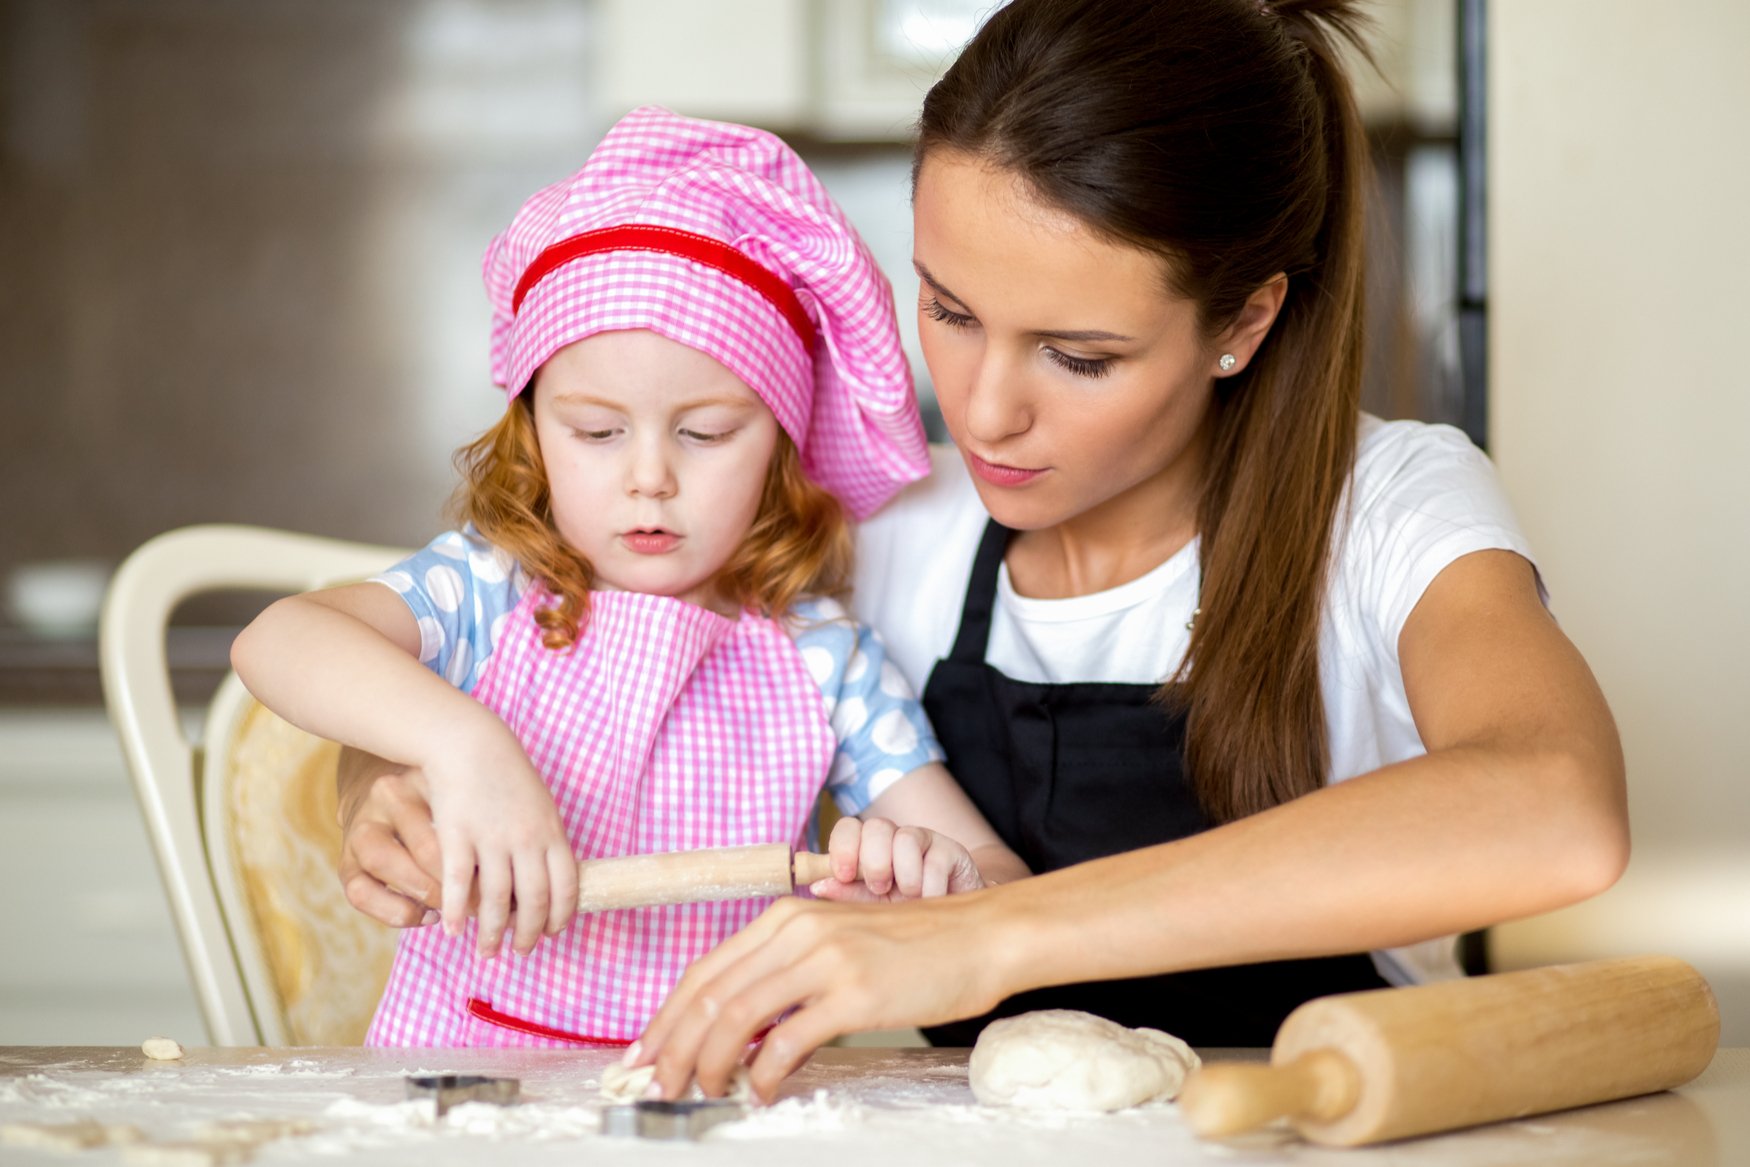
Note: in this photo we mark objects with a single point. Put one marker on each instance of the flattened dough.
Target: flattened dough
(1061, 1059)
(163, 1049)
(186, 1154)
(66, 1136)
(252, 1132)
(620, 1085)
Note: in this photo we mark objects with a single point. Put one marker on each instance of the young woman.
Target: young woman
(1265, 688)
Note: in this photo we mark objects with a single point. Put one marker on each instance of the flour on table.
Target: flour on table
(622, 1085)
(1068, 1060)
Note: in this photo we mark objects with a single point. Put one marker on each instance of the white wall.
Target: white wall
(1619, 210)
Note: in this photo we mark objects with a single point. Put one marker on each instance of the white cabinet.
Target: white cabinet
(88, 952)
(857, 70)
(848, 70)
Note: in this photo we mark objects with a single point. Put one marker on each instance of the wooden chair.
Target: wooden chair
(243, 822)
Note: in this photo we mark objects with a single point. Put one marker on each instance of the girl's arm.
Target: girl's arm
(1518, 808)
(921, 837)
(343, 664)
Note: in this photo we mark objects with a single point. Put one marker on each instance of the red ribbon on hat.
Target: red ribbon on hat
(703, 249)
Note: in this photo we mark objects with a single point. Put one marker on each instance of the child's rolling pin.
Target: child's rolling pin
(1391, 1063)
(691, 877)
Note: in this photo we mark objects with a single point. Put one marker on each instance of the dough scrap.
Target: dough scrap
(202, 1153)
(1062, 1059)
(66, 1136)
(163, 1049)
(621, 1085)
(252, 1132)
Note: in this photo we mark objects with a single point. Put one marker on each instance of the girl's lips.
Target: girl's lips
(650, 542)
(1000, 475)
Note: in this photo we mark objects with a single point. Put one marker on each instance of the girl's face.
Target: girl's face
(656, 459)
(1073, 384)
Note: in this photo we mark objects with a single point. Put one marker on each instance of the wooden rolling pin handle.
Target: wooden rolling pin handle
(807, 867)
(1231, 1098)
(688, 877)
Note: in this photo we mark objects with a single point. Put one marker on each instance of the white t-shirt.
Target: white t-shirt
(1421, 497)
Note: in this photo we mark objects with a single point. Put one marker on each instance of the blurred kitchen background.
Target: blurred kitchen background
(239, 248)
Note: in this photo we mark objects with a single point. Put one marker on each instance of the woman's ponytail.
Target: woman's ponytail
(1285, 436)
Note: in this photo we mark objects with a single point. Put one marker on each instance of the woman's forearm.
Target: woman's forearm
(1436, 845)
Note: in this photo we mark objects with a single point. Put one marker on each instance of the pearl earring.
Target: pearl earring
(1227, 362)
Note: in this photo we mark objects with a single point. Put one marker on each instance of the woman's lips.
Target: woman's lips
(1000, 475)
(650, 542)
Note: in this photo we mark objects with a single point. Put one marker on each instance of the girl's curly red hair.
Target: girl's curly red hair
(799, 544)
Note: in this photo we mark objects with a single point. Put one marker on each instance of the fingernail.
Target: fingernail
(630, 1057)
(429, 918)
(818, 886)
(653, 1091)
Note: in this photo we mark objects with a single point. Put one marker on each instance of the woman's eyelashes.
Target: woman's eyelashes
(934, 309)
(1080, 366)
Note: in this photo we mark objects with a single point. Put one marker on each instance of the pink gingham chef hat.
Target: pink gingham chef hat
(717, 236)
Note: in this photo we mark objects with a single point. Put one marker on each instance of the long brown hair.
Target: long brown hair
(1221, 135)
(799, 544)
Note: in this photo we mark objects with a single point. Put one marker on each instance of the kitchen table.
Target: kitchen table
(846, 1107)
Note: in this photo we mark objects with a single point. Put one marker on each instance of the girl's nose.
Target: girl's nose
(651, 474)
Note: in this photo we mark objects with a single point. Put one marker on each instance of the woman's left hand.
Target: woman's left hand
(825, 970)
(877, 860)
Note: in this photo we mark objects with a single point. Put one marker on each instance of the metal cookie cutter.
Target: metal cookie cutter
(447, 1090)
(656, 1119)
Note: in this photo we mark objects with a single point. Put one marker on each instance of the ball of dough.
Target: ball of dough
(1062, 1059)
(620, 1085)
(164, 1049)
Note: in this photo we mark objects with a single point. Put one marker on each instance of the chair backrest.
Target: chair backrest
(243, 827)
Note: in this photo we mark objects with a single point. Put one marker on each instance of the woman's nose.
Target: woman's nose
(997, 404)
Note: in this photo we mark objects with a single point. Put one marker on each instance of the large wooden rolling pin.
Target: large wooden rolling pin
(1392, 1063)
(691, 877)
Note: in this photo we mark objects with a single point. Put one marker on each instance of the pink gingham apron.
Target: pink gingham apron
(666, 728)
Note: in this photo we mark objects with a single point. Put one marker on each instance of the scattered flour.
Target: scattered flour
(822, 1113)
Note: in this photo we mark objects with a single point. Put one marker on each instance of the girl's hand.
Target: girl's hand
(877, 860)
(842, 968)
(496, 820)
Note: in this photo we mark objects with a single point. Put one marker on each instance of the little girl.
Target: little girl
(631, 646)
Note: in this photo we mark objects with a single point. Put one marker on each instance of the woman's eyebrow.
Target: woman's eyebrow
(1075, 334)
(935, 284)
(1081, 334)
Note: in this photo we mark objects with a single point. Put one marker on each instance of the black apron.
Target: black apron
(1068, 773)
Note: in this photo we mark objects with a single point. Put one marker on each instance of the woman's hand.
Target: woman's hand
(876, 859)
(841, 968)
(390, 866)
(496, 822)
